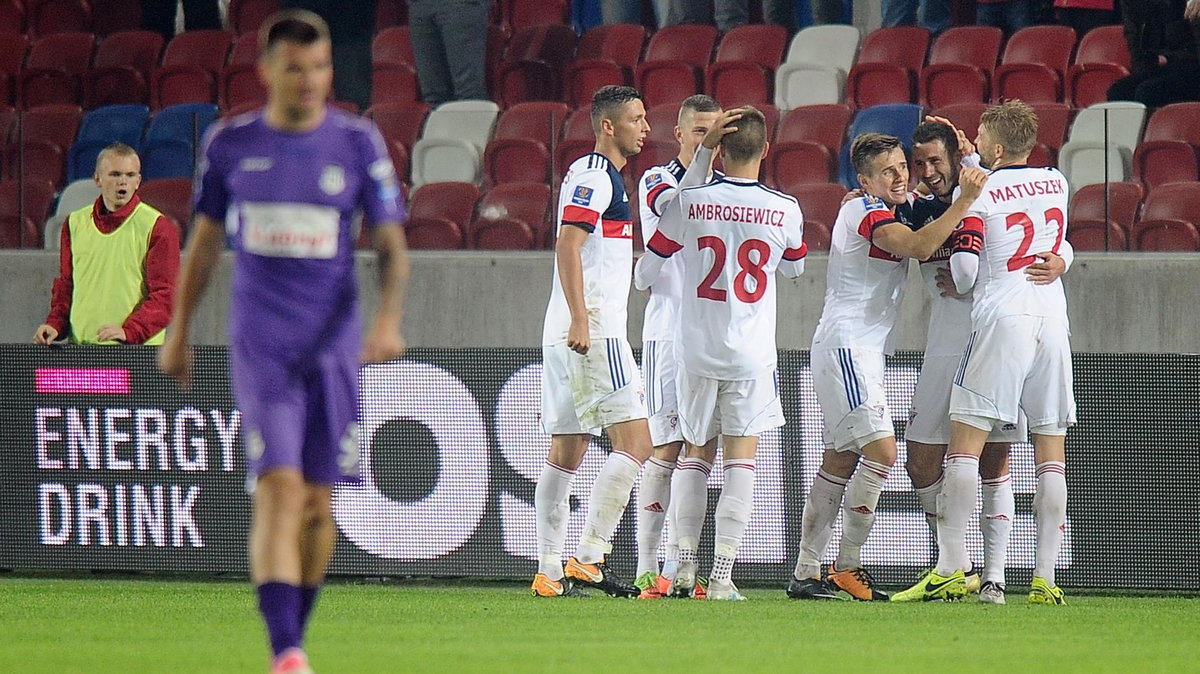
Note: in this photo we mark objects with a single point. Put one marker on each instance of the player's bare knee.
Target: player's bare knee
(993, 463)
(669, 452)
(839, 464)
(881, 451)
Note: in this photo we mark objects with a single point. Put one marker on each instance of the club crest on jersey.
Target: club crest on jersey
(582, 195)
(652, 180)
(333, 180)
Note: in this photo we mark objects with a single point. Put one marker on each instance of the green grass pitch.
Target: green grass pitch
(65, 625)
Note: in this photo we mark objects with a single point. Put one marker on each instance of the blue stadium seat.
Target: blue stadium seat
(100, 127)
(896, 119)
(169, 150)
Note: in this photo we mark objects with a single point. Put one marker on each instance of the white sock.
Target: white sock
(927, 497)
(654, 497)
(858, 511)
(999, 509)
(1050, 513)
(671, 560)
(956, 502)
(609, 497)
(552, 505)
(733, 514)
(689, 487)
(820, 511)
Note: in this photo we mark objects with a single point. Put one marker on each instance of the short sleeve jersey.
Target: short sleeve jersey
(1022, 211)
(655, 189)
(864, 284)
(732, 235)
(949, 317)
(289, 203)
(593, 198)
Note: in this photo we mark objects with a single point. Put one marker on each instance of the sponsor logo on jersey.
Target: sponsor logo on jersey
(652, 180)
(582, 195)
(333, 180)
(255, 164)
(1008, 427)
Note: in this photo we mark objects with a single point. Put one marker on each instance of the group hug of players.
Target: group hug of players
(989, 232)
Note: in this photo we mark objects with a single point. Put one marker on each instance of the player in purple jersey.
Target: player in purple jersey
(283, 183)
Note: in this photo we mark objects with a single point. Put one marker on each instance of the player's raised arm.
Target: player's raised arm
(898, 239)
(660, 247)
(208, 239)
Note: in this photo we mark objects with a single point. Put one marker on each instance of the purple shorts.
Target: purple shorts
(300, 414)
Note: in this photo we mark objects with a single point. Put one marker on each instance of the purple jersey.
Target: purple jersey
(288, 201)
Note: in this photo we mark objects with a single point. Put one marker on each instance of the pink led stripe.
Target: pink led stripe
(93, 380)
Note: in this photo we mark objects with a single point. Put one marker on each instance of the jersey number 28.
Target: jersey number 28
(748, 268)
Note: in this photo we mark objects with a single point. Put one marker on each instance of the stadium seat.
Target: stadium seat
(965, 116)
(675, 59)
(1170, 150)
(39, 145)
(519, 151)
(245, 16)
(173, 140)
(606, 54)
(452, 143)
(532, 67)
(190, 69)
(393, 45)
(1053, 121)
(13, 47)
(579, 125)
(172, 197)
(806, 143)
(1103, 58)
(817, 63)
(509, 210)
(1169, 219)
(55, 69)
(1089, 236)
(100, 127)
(24, 205)
(654, 153)
(897, 119)
(244, 51)
(122, 69)
(56, 124)
(796, 163)
(1085, 159)
(74, 196)
(393, 68)
(960, 66)
(439, 213)
(44, 17)
(887, 67)
(114, 16)
(821, 124)
(1087, 215)
(820, 205)
(1034, 63)
(520, 14)
(570, 150)
(240, 87)
(400, 124)
(8, 122)
(390, 13)
(1171, 236)
(662, 120)
(12, 16)
(743, 70)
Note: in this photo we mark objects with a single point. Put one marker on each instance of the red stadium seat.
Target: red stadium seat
(455, 202)
(964, 116)
(114, 16)
(567, 152)
(1172, 236)
(55, 124)
(400, 122)
(8, 122)
(887, 67)
(675, 59)
(394, 83)
(1089, 235)
(606, 54)
(820, 205)
(532, 68)
(55, 69)
(433, 233)
(519, 150)
(503, 234)
(122, 68)
(526, 204)
(1034, 64)
(12, 16)
(1053, 122)
(496, 45)
(1103, 58)
(654, 153)
(190, 69)
(44, 17)
(171, 196)
(240, 87)
(525, 13)
(245, 50)
(794, 163)
(390, 13)
(1087, 215)
(245, 16)
(743, 71)
(960, 66)
(1170, 149)
(663, 120)
(1169, 219)
(824, 125)
(579, 125)
(24, 207)
(13, 47)
(393, 45)
(36, 160)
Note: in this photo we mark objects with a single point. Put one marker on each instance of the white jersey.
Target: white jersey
(733, 234)
(657, 187)
(593, 197)
(865, 283)
(1022, 211)
(949, 317)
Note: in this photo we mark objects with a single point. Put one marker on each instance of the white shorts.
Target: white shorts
(659, 370)
(587, 393)
(929, 413)
(712, 407)
(850, 389)
(1015, 364)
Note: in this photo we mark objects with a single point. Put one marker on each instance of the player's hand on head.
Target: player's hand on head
(45, 334)
(852, 195)
(965, 146)
(578, 338)
(1047, 269)
(945, 283)
(175, 358)
(722, 127)
(971, 181)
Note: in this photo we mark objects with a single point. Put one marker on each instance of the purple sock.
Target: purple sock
(279, 604)
(308, 599)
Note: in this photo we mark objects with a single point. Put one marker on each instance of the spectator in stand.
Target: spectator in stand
(935, 14)
(118, 261)
(1084, 15)
(160, 15)
(1164, 43)
(449, 40)
(1009, 15)
(828, 11)
(729, 14)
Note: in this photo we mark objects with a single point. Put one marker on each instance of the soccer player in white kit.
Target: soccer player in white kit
(872, 237)
(1019, 355)
(656, 191)
(590, 381)
(938, 150)
(732, 233)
